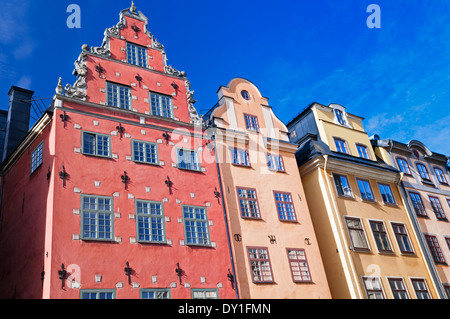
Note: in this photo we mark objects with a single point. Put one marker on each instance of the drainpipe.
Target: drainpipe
(213, 137)
(421, 239)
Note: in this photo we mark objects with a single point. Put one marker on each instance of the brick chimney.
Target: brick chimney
(18, 121)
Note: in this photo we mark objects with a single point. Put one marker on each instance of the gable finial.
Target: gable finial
(133, 7)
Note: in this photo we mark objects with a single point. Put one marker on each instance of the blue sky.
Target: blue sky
(397, 77)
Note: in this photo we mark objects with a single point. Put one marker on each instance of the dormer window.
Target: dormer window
(339, 117)
(137, 55)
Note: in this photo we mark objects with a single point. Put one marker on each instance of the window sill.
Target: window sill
(190, 169)
(241, 165)
(97, 156)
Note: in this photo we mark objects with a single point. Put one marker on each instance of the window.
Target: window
(403, 166)
(118, 96)
(145, 152)
(402, 238)
(386, 194)
(365, 190)
(37, 157)
(245, 95)
(356, 234)
(137, 55)
(240, 157)
(423, 172)
(248, 203)
(98, 294)
(447, 239)
(341, 146)
(161, 105)
(421, 289)
(398, 288)
(435, 249)
(155, 293)
(440, 175)
(196, 226)
(418, 204)
(373, 288)
(150, 222)
(342, 185)
(340, 117)
(188, 159)
(437, 208)
(447, 290)
(260, 265)
(285, 206)
(381, 237)
(251, 123)
(204, 294)
(299, 265)
(96, 144)
(363, 151)
(97, 218)
(275, 163)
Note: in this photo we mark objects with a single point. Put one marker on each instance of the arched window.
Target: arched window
(423, 171)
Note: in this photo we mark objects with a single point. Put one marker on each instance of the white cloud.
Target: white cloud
(25, 82)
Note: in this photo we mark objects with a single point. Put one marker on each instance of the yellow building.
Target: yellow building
(368, 245)
(425, 187)
(275, 250)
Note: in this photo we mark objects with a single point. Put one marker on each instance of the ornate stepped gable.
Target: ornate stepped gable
(78, 89)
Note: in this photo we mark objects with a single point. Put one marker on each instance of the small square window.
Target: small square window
(285, 206)
(98, 294)
(418, 204)
(363, 151)
(398, 288)
(118, 95)
(137, 55)
(196, 227)
(145, 152)
(251, 123)
(341, 146)
(150, 222)
(435, 249)
(421, 289)
(402, 238)
(386, 194)
(188, 159)
(381, 236)
(440, 175)
(204, 294)
(155, 294)
(97, 220)
(96, 144)
(299, 265)
(437, 208)
(275, 163)
(356, 234)
(240, 157)
(261, 270)
(365, 190)
(342, 186)
(423, 172)
(403, 166)
(161, 105)
(340, 117)
(373, 287)
(248, 203)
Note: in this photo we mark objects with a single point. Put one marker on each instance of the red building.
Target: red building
(114, 192)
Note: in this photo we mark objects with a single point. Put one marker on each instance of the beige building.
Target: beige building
(425, 187)
(368, 244)
(275, 249)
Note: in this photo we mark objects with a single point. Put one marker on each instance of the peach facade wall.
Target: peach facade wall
(256, 232)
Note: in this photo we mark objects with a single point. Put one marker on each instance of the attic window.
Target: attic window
(340, 117)
(137, 55)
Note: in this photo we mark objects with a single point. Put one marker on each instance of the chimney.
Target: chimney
(18, 121)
